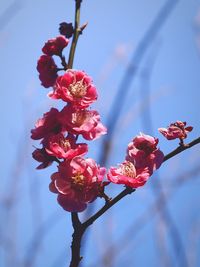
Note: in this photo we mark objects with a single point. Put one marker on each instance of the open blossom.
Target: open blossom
(84, 122)
(176, 130)
(50, 123)
(47, 70)
(41, 156)
(64, 147)
(75, 87)
(143, 152)
(127, 174)
(55, 46)
(77, 183)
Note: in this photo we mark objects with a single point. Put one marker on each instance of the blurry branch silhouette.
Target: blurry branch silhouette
(128, 77)
(35, 200)
(149, 214)
(134, 112)
(130, 74)
(10, 200)
(118, 56)
(14, 187)
(60, 260)
(38, 237)
(193, 243)
(9, 13)
(164, 213)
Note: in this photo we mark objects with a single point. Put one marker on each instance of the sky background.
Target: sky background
(34, 230)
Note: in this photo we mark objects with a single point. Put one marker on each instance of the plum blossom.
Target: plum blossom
(84, 122)
(50, 123)
(55, 46)
(62, 147)
(176, 130)
(47, 71)
(77, 183)
(127, 174)
(143, 152)
(75, 87)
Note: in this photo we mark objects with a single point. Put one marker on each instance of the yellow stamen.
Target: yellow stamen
(79, 117)
(128, 169)
(78, 179)
(77, 89)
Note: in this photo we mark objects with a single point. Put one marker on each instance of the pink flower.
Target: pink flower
(55, 46)
(77, 183)
(47, 70)
(64, 147)
(50, 123)
(41, 156)
(127, 174)
(84, 122)
(75, 87)
(143, 152)
(176, 130)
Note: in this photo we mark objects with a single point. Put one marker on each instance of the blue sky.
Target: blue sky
(114, 31)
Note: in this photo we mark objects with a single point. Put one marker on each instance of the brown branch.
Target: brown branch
(79, 230)
(77, 32)
(108, 205)
(181, 148)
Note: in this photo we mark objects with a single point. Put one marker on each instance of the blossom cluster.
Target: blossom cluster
(78, 180)
(142, 158)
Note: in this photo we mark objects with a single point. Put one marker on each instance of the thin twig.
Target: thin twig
(108, 205)
(76, 34)
(181, 148)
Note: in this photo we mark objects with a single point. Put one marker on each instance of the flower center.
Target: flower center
(128, 169)
(79, 117)
(78, 180)
(65, 144)
(78, 89)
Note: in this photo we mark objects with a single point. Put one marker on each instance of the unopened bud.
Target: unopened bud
(66, 29)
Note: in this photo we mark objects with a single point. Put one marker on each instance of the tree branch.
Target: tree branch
(108, 205)
(181, 148)
(79, 228)
(129, 190)
(76, 34)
